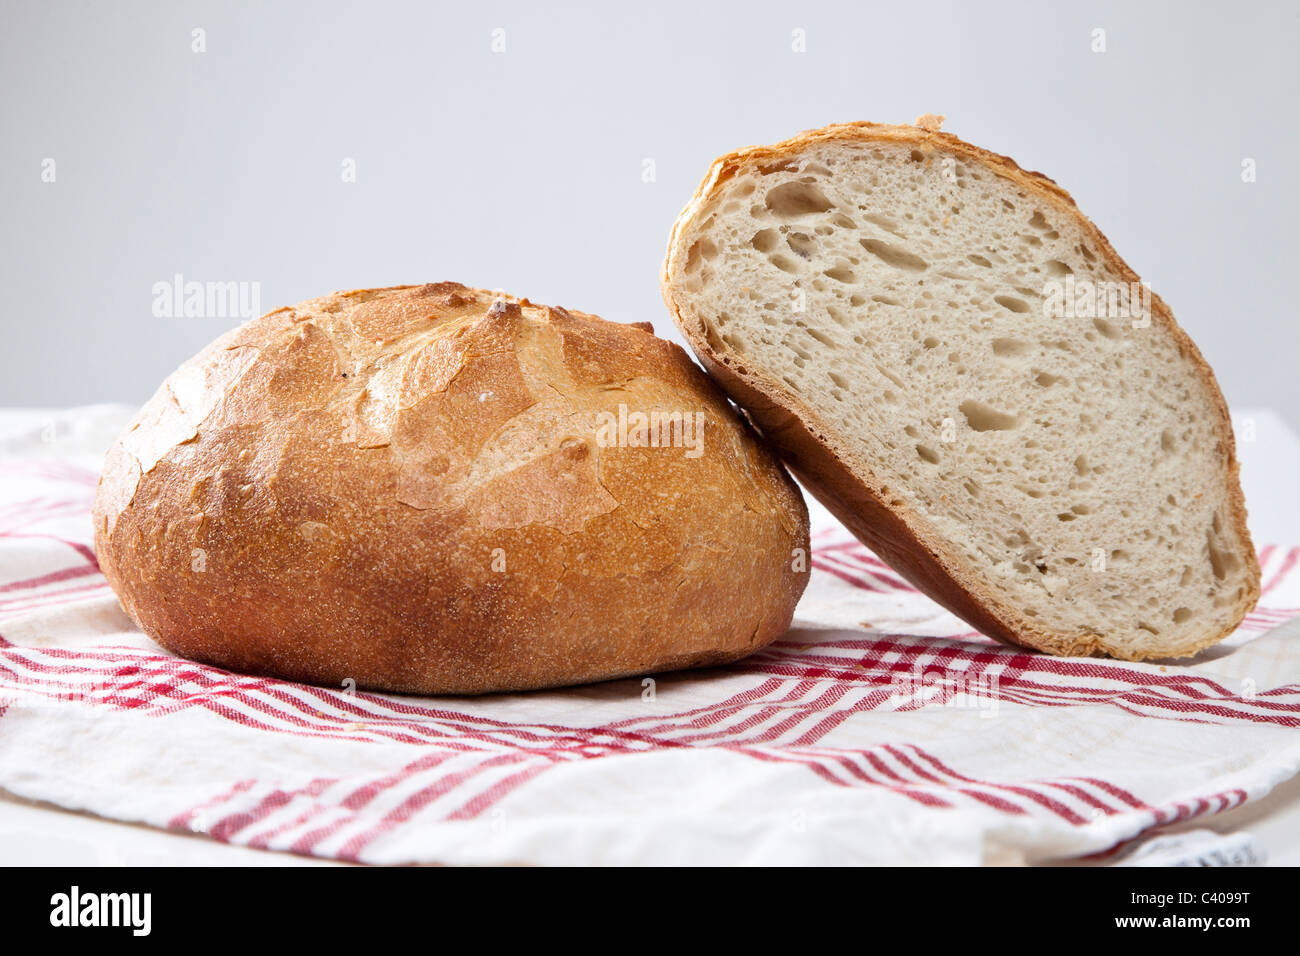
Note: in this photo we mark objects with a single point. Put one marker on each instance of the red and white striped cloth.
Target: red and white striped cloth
(880, 729)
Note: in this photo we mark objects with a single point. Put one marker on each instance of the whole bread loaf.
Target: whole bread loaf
(957, 363)
(437, 489)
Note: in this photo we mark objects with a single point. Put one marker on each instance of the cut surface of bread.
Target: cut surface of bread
(957, 363)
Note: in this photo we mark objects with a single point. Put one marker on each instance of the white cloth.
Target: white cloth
(880, 729)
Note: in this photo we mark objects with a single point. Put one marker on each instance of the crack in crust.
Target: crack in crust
(405, 487)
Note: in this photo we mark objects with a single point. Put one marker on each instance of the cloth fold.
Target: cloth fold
(880, 729)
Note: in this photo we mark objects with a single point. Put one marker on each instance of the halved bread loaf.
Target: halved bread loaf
(956, 362)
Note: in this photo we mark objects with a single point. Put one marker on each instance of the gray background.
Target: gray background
(522, 170)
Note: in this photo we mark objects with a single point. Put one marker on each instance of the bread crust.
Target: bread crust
(849, 488)
(408, 488)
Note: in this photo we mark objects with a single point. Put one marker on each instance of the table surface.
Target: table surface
(44, 835)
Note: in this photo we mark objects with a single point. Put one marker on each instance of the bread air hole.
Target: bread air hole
(985, 418)
(801, 245)
(894, 256)
(1108, 329)
(884, 223)
(735, 343)
(1005, 348)
(821, 337)
(791, 200)
(1222, 561)
(838, 317)
(784, 263)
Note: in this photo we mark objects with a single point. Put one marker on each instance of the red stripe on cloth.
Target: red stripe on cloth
(705, 712)
(818, 767)
(1007, 677)
(828, 698)
(497, 792)
(858, 581)
(275, 801)
(717, 715)
(873, 700)
(362, 796)
(160, 687)
(1045, 801)
(184, 819)
(1084, 796)
(1189, 703)
(82, 549)
(860, 558)
(763, 715)
(264, 839)
(1288, 564)
(417, 801)
(852, 571)
(17, 606)
(1271, 616)
(989, 799)
(64, 471)
(225, 828)
(883, 768)
(33, 511)
(52, 578)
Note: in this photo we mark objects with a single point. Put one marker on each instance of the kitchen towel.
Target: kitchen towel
(880, 729)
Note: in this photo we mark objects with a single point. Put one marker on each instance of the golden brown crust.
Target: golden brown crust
(848, 488)
(409, 488)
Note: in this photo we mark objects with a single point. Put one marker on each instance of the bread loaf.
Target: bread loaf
(439, 490)
(957, 363)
